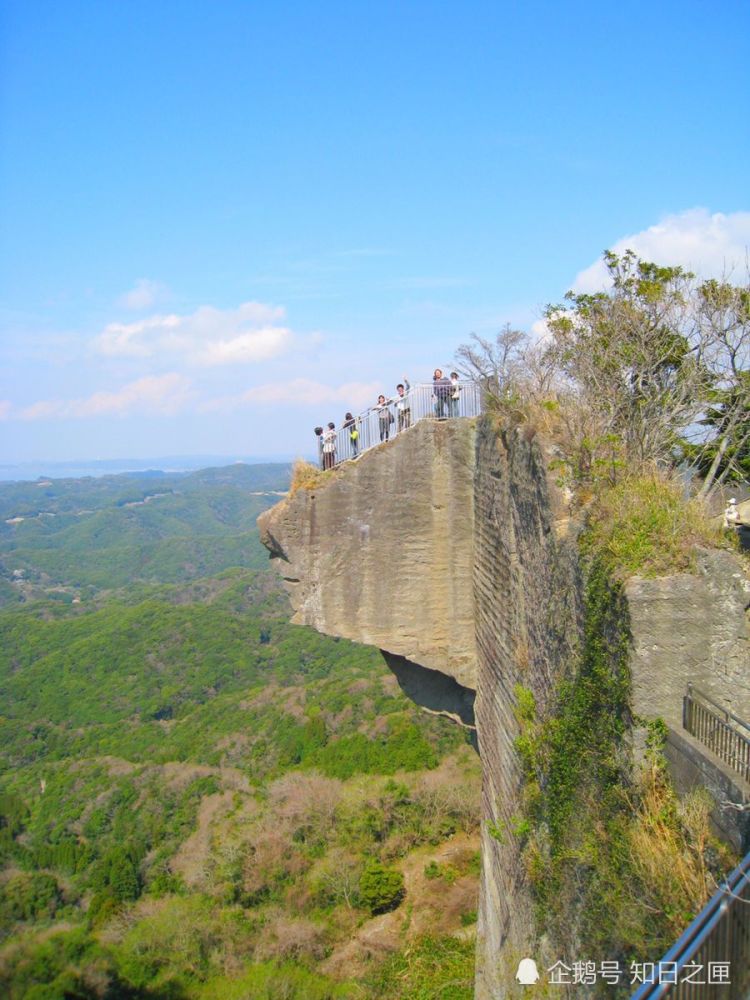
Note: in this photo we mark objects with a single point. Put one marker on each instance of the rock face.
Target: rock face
(382, 552)
(450, 548)
(691, 627)
(526, 610)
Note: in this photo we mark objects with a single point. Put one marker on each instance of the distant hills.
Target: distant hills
(68, 538)
(163, 465)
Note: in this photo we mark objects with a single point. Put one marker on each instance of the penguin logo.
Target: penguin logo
(527, 974)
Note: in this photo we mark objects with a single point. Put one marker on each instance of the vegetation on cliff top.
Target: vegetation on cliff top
(306, 476)
(653, 372)
(644, 524)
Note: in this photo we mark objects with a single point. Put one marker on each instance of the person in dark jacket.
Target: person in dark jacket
(441, 390)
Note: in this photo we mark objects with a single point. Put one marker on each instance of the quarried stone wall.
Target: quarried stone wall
(691, 628)
(526, 597)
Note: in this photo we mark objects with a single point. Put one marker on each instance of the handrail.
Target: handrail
(710, 724)
(693, 690)
(719, 936)
(379, 424)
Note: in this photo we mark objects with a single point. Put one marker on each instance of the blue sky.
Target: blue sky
(225, 222)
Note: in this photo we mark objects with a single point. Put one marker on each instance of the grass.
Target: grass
(669, 840)
(644, 525)
(430, 968)
(305, 476)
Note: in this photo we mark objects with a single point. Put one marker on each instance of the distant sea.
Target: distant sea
(116, 466)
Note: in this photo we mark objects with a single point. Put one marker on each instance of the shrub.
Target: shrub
(645, 525)
(32, 897)
(381, 888)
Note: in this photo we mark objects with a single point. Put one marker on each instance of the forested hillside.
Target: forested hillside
(198, 799)
(74, 536)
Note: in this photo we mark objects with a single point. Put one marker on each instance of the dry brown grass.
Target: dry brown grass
(305, 476)
(668, 845)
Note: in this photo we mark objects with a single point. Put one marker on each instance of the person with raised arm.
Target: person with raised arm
(403, 406)
(454, 400)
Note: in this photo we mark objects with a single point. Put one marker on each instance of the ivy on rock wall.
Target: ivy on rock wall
(616, 863)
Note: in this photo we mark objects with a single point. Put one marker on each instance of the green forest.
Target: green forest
(199, 799)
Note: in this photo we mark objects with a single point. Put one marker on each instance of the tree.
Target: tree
(123, 877)
(627, 357)
(654, 370)
(380, 888)
(723, 315)
(31, 896)
(499, 365)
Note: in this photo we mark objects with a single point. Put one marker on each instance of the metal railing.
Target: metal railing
(711, 959)
(723, 733)
(379, 424)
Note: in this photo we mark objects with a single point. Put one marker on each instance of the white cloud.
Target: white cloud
(209, 336)
(354, 396)
(710, 245)
(42, 410)
(138, 340)
(144, 294)
(161, 395)
(5, 408)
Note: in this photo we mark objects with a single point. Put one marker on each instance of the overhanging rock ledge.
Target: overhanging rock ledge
(381, 552)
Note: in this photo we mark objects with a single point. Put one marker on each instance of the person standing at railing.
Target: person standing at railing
(385, 417)
(454, 400)
(319, 438)
(329, 446)
(441, 390)
(403, 406)
(350, 424)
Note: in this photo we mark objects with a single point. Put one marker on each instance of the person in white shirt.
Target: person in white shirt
(329, 446)
(454, 400)
(731, 514)
(403, 406)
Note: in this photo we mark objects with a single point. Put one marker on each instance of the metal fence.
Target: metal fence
(382, 423)
(723, 733)
(711, 959)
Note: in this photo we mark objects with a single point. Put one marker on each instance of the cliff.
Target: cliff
(382, 551)
(452, 550)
